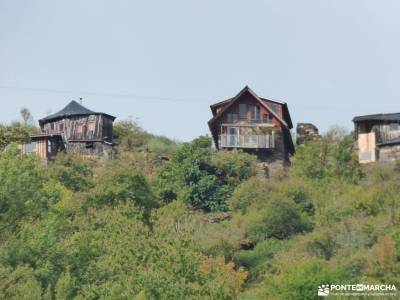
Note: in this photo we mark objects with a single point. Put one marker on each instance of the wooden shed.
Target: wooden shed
(377, 137)
(74, 129)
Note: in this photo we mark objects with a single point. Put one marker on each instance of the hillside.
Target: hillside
(170, 220)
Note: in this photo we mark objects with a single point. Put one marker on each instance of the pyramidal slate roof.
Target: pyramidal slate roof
(72, 109)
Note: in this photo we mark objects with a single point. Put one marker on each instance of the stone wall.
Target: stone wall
(306, 132)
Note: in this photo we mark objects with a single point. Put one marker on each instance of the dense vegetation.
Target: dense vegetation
(165, 220)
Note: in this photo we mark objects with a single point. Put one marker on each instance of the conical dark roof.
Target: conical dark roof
(72, 109)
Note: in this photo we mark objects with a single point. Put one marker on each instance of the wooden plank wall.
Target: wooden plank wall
(93, 127)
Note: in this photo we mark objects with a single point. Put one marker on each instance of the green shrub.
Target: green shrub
(279, 219)
(254, 190)
(328, 159)
(201, 176)
(72, 171)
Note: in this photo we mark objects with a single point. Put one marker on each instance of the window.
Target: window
(233, 136)
(273, 107)
(49, 147)
(267, 119)
(61, 127)
(242, 110)
(255, 113)
(31, 147)
(78, 127)
(91, 126)
(231, 118)
(51, 126)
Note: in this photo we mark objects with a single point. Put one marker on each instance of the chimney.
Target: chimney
(80, 100)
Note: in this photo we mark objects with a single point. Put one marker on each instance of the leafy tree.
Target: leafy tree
(202, 177)
(131, 137)
(327, 159)
(24, 188)
(13, 134)
(122, 185)
(26, 115)
(72, 171)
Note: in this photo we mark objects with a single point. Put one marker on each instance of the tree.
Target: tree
(330, 158)
(26, 115)
(203, 177)
(72, 171)
(13, 134)
(24, 188)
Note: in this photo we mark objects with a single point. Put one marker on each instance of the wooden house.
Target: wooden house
(377, 137)
(257, 125)
(74, 129)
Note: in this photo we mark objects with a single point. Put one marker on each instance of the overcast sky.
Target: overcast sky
(164, 62)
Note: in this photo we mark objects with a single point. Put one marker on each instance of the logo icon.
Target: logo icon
(323, 290)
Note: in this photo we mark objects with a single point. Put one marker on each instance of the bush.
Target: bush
(73, 172)
(131, 137)
(279, 219)
(123, 185)
(254, 190)
(201, 176)
(328, 159)
(25, 188)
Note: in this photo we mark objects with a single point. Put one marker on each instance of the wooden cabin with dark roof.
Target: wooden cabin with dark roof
(74, 129)
(256, 125)
(377, 137)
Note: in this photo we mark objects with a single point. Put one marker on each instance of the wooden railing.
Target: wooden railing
(247, 141)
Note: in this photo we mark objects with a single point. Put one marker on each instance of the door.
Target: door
(233, 136)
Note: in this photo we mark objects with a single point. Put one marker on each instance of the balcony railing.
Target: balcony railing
(247, 141)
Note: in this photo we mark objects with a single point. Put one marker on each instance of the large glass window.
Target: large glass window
(242, 110)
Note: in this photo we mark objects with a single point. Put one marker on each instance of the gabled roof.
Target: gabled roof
(230, 102)
(378, 117)
(72, 109)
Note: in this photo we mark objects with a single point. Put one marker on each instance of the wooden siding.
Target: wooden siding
(374, 138)
(38, 147)
(265, 136)
(82, 128)
(91, 149)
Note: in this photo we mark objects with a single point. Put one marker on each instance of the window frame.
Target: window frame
(255, 114)
(242, 110)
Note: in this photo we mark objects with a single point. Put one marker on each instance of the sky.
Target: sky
(163, 63)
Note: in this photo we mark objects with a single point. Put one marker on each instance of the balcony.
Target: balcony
(266, 141)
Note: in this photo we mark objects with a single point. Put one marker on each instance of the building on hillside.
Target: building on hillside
(377, 137)
(256, 125)
(306, 132)
(74, 129)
